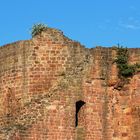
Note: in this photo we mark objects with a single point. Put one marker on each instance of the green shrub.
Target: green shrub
(37, 29)
(125, 69)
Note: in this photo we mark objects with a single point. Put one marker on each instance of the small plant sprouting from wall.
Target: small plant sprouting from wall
(38, 28)
(125, 69)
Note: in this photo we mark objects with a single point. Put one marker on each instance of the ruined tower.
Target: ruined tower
(53, 88)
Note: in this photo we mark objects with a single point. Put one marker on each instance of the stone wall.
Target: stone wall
(56, 89)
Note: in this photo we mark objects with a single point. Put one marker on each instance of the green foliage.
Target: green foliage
(38, 28)
(125, 69)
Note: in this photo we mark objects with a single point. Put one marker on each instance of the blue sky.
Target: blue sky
(91, 22)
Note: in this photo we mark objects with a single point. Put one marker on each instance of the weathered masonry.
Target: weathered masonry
(52, 88)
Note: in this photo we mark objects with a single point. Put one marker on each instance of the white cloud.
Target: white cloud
(131, 26)
(131, 23)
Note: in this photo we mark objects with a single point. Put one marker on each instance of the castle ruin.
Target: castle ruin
(53, 88)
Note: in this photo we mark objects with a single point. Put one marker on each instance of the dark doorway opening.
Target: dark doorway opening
(79, 104)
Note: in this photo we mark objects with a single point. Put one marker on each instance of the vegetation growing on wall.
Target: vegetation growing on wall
(126, 70)
(37, 29)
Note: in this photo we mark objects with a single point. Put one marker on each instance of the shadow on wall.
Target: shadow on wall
(79, 105)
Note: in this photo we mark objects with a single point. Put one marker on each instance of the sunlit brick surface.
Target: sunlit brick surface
(42, 79)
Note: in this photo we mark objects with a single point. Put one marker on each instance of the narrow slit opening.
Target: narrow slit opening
(79, 104)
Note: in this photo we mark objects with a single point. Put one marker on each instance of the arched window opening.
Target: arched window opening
(79, 104)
